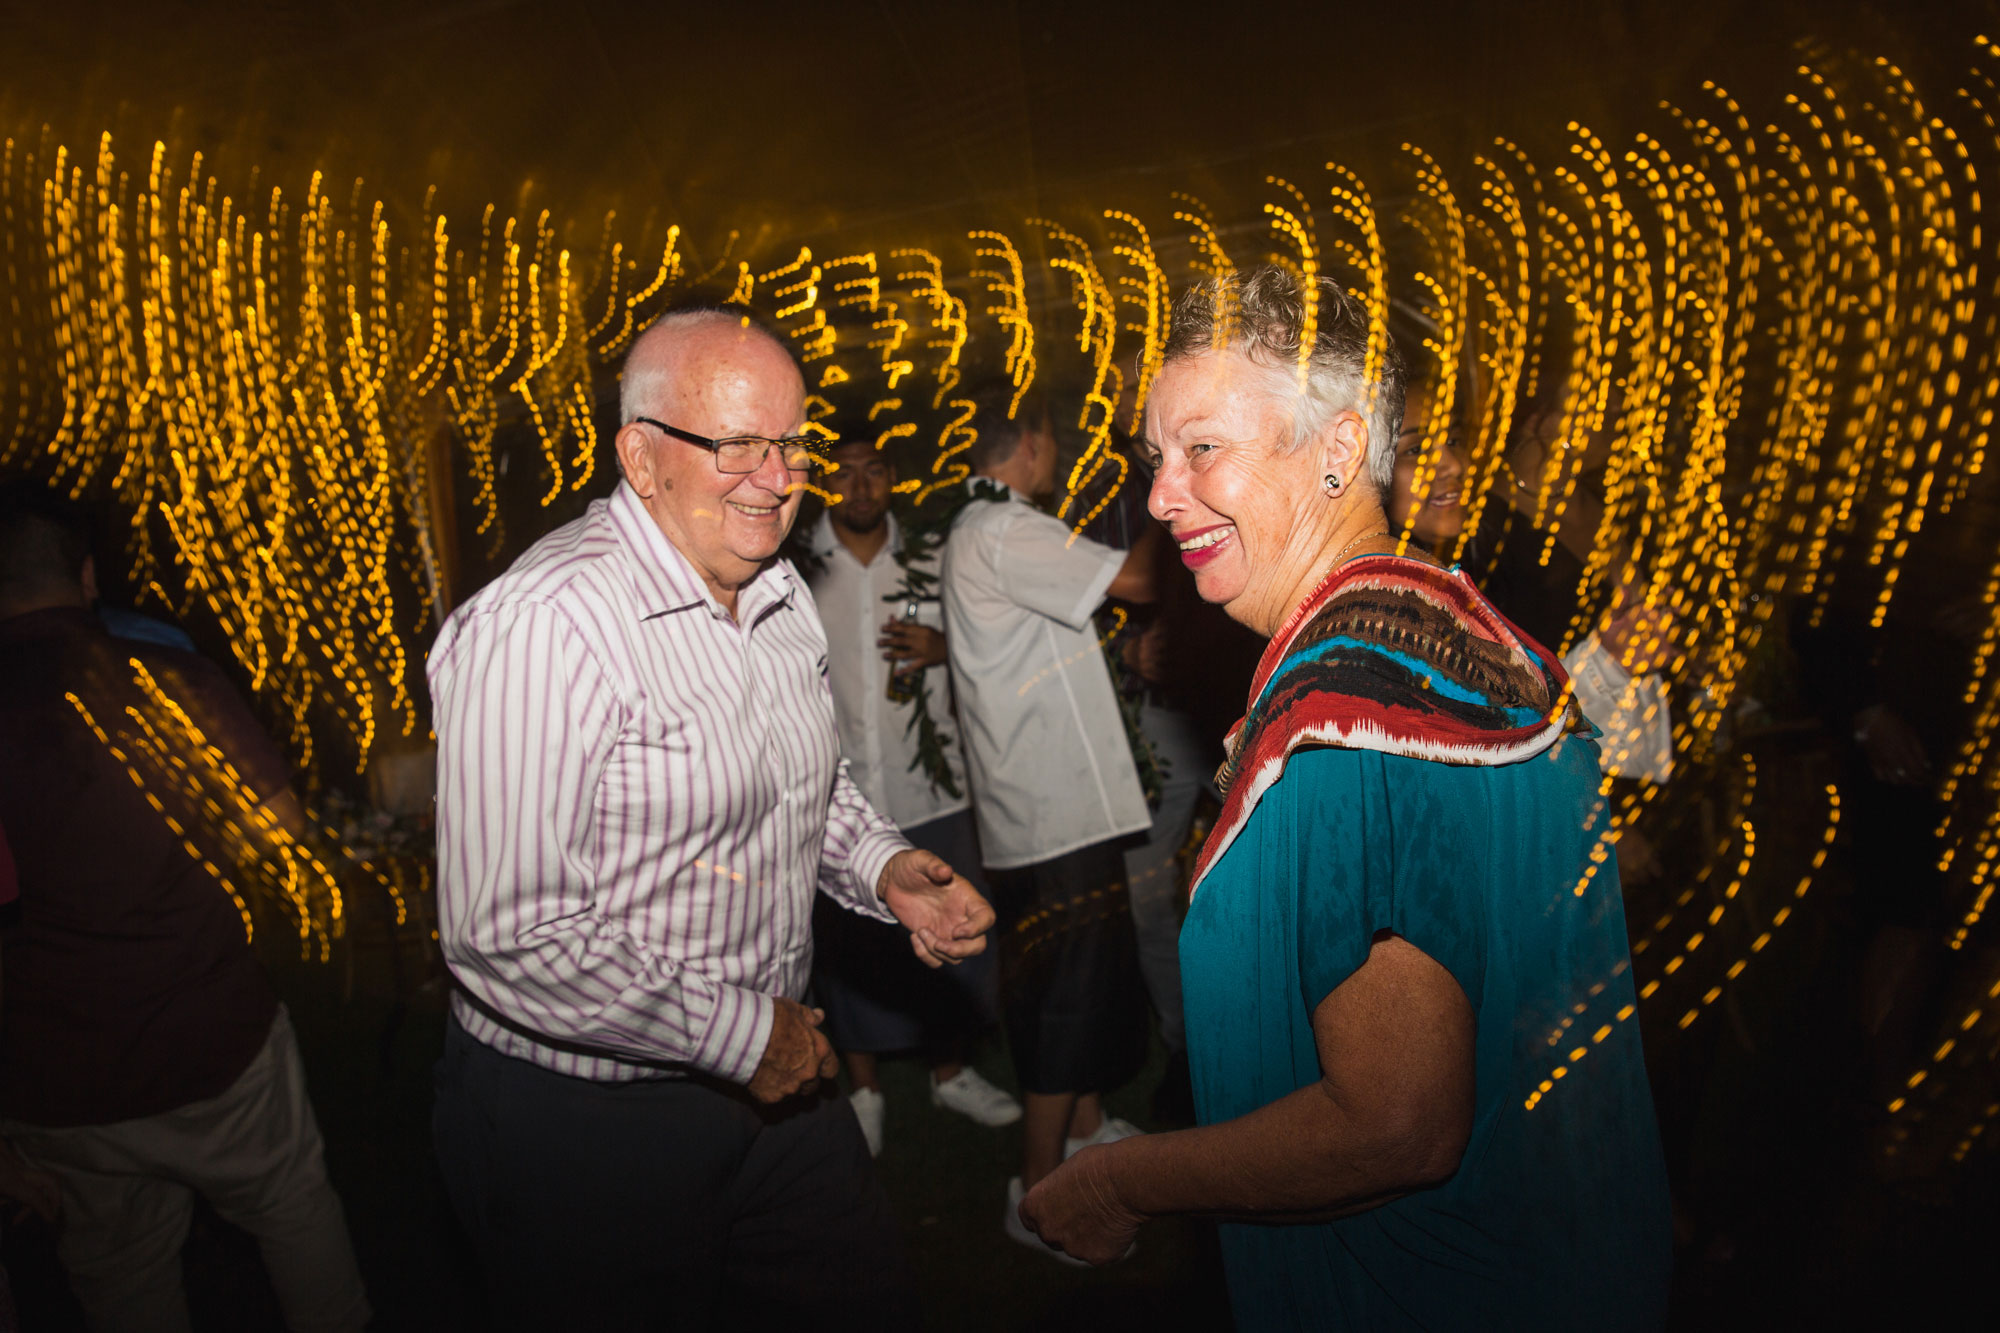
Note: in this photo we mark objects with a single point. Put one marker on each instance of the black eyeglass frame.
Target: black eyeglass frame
(812, 444)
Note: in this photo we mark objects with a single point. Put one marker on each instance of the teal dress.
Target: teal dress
(1557, 1216)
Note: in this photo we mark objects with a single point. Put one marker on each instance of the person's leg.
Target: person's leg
(811, 1230)
(590, 1205)
(871, 1110)
(1045, 1121)
(863, 975)
(862, 979)
(122, 1232)
(122, 1251)
(1074, 1009)
(863, 1069)
(255, 1153)
(1088, 1117)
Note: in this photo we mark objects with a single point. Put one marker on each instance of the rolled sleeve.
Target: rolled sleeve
(859, 844)
(1051, 571)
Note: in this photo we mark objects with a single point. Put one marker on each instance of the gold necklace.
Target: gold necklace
(1335, 562)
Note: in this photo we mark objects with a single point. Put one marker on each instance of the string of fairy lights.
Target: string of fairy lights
(1759, 351)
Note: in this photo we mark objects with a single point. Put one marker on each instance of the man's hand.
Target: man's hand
(1076, 1208)
(797, 1056)
(21, 1184)
(911, 646)
(946, 917)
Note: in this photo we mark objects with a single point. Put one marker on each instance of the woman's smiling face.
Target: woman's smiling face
(1234, 498)
(1436, 514)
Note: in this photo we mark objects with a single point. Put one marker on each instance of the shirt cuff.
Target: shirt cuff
(1094, 591)
(872, 854)
(739, 1028)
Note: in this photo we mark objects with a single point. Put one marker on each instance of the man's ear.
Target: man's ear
(1343, 447)
(635, 458)
(90, 580)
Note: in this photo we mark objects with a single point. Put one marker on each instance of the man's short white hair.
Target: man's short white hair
(1261, 313)
(643, 380)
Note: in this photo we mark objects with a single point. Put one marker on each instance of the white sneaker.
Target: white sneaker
(975, 1099)
(1112, 1130)
(868, 1108)
(1017, 1230)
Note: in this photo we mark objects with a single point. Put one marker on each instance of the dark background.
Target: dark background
(806, 121)
(894, 122)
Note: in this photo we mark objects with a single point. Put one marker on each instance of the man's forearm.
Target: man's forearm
(1302, 1158)
(858, 846)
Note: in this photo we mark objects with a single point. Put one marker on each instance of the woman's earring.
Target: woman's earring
(1332, 484)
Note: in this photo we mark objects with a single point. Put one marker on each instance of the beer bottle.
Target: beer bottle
(903, 681)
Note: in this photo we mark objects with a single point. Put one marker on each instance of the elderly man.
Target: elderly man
(639, 786)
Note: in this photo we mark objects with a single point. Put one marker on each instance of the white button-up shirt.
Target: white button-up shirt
(1044, 743)
(876, 738)
(637, 794)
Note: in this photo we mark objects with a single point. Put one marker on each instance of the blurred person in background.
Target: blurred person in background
(27, 1191)
(1892, 733)
(878, 998)
(1053, 782)
(143, 1059)
(1616, 670)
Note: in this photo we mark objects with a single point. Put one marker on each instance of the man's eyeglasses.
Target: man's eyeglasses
(746, 453)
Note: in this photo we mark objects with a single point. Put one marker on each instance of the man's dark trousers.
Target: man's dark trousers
(663, 1204)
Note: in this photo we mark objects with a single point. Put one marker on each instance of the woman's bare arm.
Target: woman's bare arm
(1390, 1114)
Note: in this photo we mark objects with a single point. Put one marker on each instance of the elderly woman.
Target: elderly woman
(1409, 1001)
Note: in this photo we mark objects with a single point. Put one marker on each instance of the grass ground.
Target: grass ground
(1786, 1228)
(369, 1069)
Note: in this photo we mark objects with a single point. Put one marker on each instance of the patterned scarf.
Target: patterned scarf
(1396, 655)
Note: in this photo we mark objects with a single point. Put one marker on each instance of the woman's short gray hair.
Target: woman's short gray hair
(1261, 313)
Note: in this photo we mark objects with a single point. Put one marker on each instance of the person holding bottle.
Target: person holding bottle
(884, 650)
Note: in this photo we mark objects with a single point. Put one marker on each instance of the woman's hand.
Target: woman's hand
(1076, 1208)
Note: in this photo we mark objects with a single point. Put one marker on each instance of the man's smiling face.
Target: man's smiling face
(726, 380)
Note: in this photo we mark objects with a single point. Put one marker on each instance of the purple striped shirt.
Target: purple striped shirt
(637, 795)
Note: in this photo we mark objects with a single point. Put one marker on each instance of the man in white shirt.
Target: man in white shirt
(877, 998)
(639, 790)
(1053, 782)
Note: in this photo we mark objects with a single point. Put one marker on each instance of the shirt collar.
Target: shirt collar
(666, 580)
(973, 482)
(826, 546)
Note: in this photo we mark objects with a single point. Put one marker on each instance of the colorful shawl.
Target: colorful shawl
(1392, 654)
